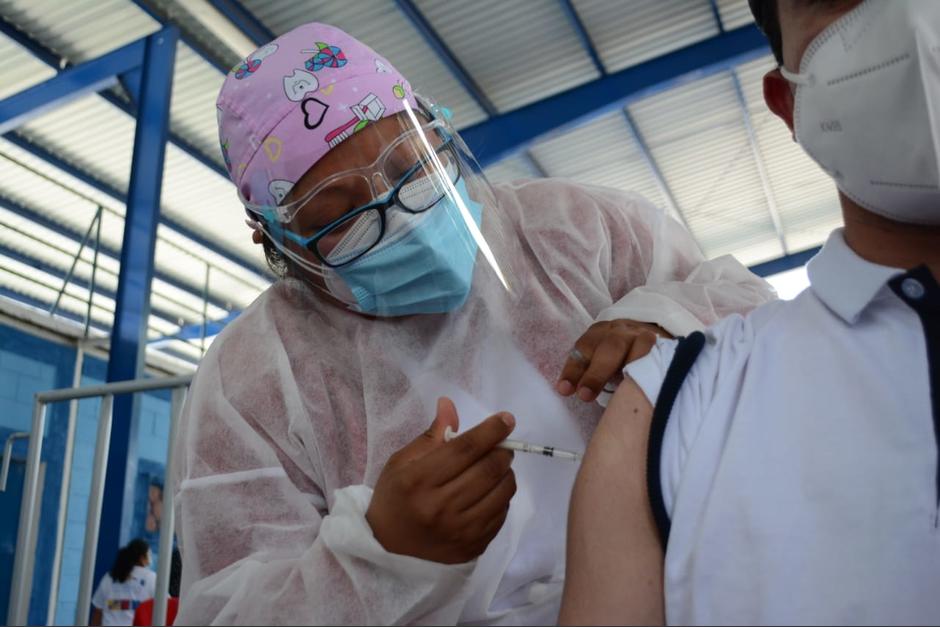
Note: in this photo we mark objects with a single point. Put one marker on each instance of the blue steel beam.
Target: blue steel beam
(572, 14)
(75, 82)
(129, 333)
(50, 58)
(130, 80)
(131, 83)
(787, 262)
(424, 28)
(244, 20)
(509, 132)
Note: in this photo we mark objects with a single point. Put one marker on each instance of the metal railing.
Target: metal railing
(29, 509)
(8, 456)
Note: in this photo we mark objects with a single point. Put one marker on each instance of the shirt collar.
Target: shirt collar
(845, 282)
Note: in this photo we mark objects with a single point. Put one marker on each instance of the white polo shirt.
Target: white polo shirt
(799, 464)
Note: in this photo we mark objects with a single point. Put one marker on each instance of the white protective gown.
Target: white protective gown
(298, 405)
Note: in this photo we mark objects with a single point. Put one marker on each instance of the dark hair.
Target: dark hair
(176, 573)
(277, 261)
(768, 20)
(128, 557)
(767, 15)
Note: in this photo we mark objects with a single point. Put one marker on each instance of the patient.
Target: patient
(783, 468)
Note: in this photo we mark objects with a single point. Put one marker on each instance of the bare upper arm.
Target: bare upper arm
(615, 559)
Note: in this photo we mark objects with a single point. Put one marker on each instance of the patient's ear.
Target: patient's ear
(779, 96)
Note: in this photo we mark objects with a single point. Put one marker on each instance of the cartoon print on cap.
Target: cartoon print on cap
(325, 56)
(279, 189)
(299, 84)
(314, 111)
(380, 67)
(369, 109)
(250, 65)
(398, 90)
(225, 157)
(273, 147)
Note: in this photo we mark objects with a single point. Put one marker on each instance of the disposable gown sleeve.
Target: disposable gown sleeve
(259, 546)
(682, 291)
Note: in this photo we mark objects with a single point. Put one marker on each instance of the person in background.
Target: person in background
(129, 583)
(309, 486)
(789, 473)
(144, 614)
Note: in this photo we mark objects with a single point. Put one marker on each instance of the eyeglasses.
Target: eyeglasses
(418, 188)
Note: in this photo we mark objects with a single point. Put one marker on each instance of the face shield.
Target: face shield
(410, 229)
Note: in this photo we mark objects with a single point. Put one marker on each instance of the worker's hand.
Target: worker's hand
(601, 353)
(445, 501)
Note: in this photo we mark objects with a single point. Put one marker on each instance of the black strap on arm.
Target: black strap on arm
(687, 351)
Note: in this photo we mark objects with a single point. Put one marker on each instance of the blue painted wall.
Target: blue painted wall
(30, 364)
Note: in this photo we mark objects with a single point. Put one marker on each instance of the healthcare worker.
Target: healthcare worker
(789, 474)
(310, 488)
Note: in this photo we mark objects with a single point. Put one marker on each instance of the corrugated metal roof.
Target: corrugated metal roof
(21, 69)
(697, 135)
(98, 138)
(89, 133)
(518, 52)
(628, 33)
(22, 235)
(735, 13)
(806, 196)
(32, 184)
(80, 29)
(511, 169)
(196, 86)
(381, 25)
(180, 12)
(601, 152)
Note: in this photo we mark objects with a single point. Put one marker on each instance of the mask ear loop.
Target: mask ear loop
(803, 80)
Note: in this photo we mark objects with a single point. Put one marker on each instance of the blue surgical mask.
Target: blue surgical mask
(422, 266)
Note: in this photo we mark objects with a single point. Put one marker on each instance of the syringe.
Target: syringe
(525, 447)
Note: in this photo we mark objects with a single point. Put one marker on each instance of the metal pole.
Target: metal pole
(19, 596)
(68, 276)
(127, 355)
(119, 387)
(64, 490)
(93, 521)
(167, 516)
(94, 273)
(8, 456)
(205, 310)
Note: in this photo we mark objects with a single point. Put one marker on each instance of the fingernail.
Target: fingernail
(565, 388)
(585, 394)
(508, 419)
